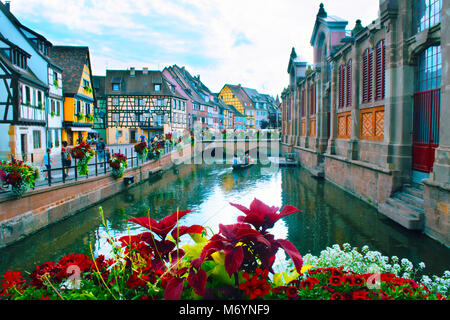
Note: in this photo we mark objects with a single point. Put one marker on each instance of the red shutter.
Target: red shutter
(313, 99)
(349, 84)
(380, 60)
(365, 75)
(341, 85)
(370, 77)
(303, 102)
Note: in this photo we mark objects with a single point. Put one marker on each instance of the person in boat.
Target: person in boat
(247, 158)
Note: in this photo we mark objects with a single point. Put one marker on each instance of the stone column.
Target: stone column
(333, 117)
(399, 90)
(352, 152)
(441, 167)
(307, 107)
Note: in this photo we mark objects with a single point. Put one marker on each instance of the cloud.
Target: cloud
(231, 41)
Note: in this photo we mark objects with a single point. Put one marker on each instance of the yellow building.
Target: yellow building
(235, 95)
(79, 96)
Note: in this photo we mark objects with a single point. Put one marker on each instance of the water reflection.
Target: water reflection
(329, 215)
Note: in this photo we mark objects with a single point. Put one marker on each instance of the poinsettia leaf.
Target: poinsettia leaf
(287, 210)
(182, 230)
(174, 288)
(197, 281)
(233, 259)
(146, 222)
(292, 251)
(241, 207)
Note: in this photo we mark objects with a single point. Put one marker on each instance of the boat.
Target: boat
(241, 166)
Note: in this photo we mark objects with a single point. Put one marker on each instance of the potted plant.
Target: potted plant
(141, 150)
(18, 175)
(52, 113)
(118, 163)
(80, 116)
(55, 83)
(89, 117)
(83, 153)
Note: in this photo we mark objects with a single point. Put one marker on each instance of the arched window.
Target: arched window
(380, 70)
(367, 76)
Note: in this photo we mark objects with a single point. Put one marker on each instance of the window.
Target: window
(379, 70)
(27, 95)
(341, 86)
(78, 107)
(85, 83)
(426, 13)
(157, 87)
(56, 138)
(88, 108)
(58, 108)
(36, 139)
(115, 101)
(367, 76)
(116, 87)
(428, 72)
(348, 101)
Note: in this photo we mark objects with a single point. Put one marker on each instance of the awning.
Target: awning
(82, 129)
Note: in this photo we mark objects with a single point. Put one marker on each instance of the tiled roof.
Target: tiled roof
(142, 83)
(99, 86)
(72, 60)
(241, 95)
(24, 73)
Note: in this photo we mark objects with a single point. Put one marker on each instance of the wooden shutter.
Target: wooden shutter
(341, 85)
(365, 75)
(349, 84)
(303, 102)
(313, 99)
(380, 70)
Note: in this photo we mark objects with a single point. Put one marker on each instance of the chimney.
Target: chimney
(8, 5)
(132, 72)
(145, 71)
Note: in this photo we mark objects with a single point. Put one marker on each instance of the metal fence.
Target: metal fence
(57, 175)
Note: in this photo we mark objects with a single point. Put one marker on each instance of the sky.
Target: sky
(245, 42)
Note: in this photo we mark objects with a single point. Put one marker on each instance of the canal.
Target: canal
(329, 216)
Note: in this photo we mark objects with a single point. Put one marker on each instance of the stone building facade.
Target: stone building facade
(371, 113)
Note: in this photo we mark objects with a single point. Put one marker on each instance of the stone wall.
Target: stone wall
(370, 183)
(46, 205)
(436, 205)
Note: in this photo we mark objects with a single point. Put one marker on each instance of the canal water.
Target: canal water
(329, 216)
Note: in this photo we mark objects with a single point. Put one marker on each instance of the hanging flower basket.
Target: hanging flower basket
(83, 153)
(118, 163)
(18, 175)
(141, 150)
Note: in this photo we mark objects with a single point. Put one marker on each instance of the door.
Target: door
(425, 129)
(24, 146)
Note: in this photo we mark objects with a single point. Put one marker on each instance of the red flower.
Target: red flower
(257, 285)
(337, 296)
(10, 280)
(358, 281)
(291, 292)
(407, 291)
(440, 296)
(135, 281)
(359, 295)
(336, 280)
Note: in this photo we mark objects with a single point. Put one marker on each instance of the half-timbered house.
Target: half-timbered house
(100, 112)
(79, 97)
(24, 93)
(140, 102)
